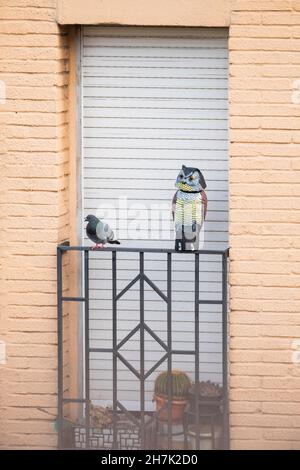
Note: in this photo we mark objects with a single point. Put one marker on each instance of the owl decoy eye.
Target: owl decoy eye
(191, 178)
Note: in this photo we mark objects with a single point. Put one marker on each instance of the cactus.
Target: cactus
(181, 384)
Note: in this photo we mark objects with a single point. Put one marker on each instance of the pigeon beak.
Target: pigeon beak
(85, 219)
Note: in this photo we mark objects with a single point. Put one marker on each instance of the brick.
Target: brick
(240, 317)
(259, 370)
(33, 325)
(37, 388)
(42, 66)
(259, 109)
(30, 3)
(280, 18)
(245, 381)
(262, 31)
(252, 216)
(276, 204)
(31, 40)
(275, 70)
(18, 27)
(265, 395)
(31, 400)
(13, 13)
(262, 83)
(263, 241)
(285, 408)
(248, 407)
(265, 149)
(284, 383)
(247, 18)
(261, 267)
(263, 190)
(264, 57)
(259, 135)
(258, 5)
(242, 253)
(30, 426)
(32, 286)
(252, 444)
(262, 163)
(26, 441)
(261, 421)
(247, 122)
(45, 350)
(33, 53)
(264, 44)
(262, 305)
(282, 434)
(242, 176)
(29, 413)
(265, 356)
(245, 433)
(259, 343)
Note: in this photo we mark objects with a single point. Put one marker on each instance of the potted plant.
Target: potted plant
(209, 397)
(181, 385)
(209, 428)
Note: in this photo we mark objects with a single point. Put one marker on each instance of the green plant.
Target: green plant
(181, 384)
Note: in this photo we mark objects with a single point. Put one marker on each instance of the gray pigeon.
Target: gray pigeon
(99, 232)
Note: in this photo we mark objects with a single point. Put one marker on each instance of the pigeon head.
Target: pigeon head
(91, 218)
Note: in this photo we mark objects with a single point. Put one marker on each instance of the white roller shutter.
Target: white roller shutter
(152, 99)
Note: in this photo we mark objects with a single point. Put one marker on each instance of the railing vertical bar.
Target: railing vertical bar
(197, 355)
(142, 350)
(169, 336)
(212, 428)
(115, 350)
(225, 353)
(87, 348)
(60, 385)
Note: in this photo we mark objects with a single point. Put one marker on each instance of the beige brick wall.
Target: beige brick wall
(264, 228)
(34, 142)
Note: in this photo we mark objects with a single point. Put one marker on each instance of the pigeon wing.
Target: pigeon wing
(100, 231)
(108, 232)
(91, 233)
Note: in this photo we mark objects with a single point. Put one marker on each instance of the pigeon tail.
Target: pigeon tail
(114, 242)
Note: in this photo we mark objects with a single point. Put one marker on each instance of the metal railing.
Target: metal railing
(139, 418)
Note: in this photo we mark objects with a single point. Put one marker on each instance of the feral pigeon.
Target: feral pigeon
(99, 232)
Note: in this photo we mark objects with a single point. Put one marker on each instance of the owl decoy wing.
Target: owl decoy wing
(174, 205)
(204, 203)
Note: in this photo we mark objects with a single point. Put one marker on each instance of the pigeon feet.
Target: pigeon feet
(98, 245)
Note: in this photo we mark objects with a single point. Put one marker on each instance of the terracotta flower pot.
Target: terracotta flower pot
(178, 407)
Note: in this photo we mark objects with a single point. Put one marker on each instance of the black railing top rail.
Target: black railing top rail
(66, 247)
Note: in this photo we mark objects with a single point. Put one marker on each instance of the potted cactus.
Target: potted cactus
(181, 385)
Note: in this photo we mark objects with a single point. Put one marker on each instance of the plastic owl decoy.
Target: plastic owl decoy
(189, 208)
